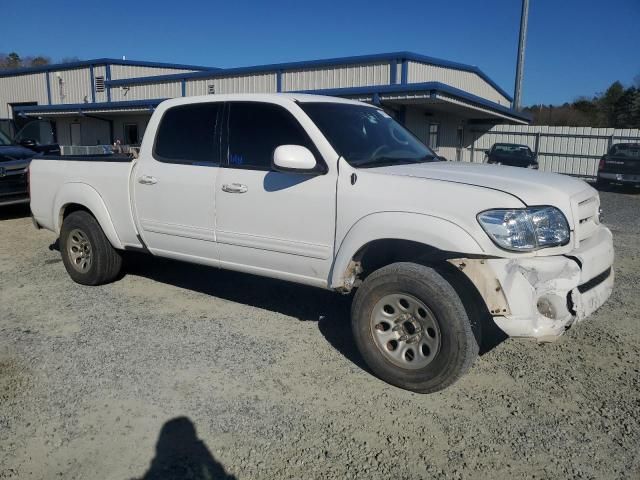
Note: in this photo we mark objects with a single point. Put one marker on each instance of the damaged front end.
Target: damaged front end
(541, 296)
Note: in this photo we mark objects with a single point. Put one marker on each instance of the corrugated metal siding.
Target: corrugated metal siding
(256, 83)
(336, 77)
(132, 71)
(23, 88)
(146, 91)
(570, 150)
(467, 81)
(418, 123)
(70, 86)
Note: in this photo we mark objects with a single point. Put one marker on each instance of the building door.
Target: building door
(76, 134)
(131, 136)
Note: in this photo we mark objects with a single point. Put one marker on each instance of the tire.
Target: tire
(87, 255)
(438, 332)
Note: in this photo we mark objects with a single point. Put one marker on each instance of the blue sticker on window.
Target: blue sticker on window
(235, 159)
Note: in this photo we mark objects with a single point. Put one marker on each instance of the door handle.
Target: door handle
(147, 180)
(234, 188)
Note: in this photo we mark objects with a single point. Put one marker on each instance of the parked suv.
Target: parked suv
(14, 160)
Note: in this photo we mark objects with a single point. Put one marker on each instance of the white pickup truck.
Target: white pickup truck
(334, 193)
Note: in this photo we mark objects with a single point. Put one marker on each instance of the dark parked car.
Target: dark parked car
(621, 164)
(512, 154)
(39, 136)
(14, 160)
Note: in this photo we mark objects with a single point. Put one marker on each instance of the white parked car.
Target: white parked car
(334, 193)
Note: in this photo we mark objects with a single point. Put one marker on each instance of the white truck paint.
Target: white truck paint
(311, 228)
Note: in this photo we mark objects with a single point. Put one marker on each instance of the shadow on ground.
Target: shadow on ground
(329, 309)
(180, 454)
(14, 211)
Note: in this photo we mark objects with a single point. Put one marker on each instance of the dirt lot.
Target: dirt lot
(197, 373)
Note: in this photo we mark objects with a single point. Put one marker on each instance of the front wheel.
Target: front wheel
(412, 328)
(87, 255)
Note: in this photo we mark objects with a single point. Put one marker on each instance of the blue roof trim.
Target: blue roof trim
(429, 87)
(89, 106)
(99, 61)
(402, 57)
(375, 92)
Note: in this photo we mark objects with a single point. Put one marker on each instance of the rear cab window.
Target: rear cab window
(190, 134)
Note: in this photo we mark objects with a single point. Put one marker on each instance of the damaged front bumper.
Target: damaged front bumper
(541, 297)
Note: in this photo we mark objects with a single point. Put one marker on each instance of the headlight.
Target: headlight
(526, 229)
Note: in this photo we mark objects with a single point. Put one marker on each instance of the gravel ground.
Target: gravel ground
(197, 373)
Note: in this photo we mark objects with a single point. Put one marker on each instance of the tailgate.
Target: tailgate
(621, 164)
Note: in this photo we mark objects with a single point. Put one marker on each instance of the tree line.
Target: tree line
(9, 61)
(616, 107)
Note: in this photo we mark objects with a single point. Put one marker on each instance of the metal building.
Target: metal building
(98, 102)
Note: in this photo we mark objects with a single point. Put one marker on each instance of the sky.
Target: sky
(574, 47)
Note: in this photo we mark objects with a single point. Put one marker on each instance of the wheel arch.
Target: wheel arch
(387, 237)
(81, 196)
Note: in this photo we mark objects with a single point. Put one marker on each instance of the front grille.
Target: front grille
(14, 184)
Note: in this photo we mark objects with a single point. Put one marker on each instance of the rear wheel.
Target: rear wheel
(87, 255)
(412, 328)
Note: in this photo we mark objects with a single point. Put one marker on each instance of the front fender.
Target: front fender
(426, 229)
(87, 196)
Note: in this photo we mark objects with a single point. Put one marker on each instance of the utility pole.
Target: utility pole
(524, 20)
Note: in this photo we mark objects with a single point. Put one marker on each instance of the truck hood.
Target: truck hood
(15, 152)
(530, 186)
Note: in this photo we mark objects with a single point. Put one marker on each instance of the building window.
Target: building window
(211, 89)
(433, 138)
(131, 134)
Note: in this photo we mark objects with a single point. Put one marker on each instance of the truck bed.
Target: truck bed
(59, 181)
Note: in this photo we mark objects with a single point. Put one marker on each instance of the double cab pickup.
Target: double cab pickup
(336, 194)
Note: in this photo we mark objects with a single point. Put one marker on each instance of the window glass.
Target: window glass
(433, 136)
(187, 134)
(366, 136)
(257, 129)
(630, 150)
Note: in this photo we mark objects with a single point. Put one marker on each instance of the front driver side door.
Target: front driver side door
(269, 222)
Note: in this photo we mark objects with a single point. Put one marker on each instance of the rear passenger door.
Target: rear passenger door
(174, 184)
(269, 222)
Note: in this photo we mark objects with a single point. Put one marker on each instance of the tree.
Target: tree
(39, 60)
(13, 60)
(608, 102)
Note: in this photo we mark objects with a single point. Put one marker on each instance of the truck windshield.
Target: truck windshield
(4, 140)
(366, 136)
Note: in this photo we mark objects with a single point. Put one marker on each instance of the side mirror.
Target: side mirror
(293, 159)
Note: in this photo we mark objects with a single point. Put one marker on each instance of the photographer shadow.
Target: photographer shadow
(180, 454)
